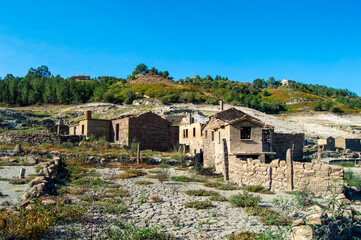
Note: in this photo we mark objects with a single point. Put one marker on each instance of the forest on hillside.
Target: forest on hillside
(40, 86)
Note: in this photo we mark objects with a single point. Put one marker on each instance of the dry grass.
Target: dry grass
(155, 198)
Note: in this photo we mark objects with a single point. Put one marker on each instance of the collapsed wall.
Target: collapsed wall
(34, 139)
(287, 175)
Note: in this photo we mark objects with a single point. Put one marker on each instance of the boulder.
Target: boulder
(32, 160)
(37, 180)
(303, 232)
(18, 149)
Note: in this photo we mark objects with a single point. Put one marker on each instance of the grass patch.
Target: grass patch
(130, 173)
(227, 187)
(268, 216)
(218, 198)
(198, 204)
(4, 179)
(345, 163)
(96, 182)
(18, 181)
(257, 189)
(201, 192)
(212, 184)
(353, 179)
(183, 178)
(143, 183)
(245, 199)
(246, 236)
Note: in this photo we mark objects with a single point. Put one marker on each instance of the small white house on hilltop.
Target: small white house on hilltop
(287, 82)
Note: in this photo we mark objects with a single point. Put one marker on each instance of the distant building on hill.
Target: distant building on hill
(287, 82)
(81, 77)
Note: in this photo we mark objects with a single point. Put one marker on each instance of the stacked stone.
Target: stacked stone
(33, 139)
(45, 181)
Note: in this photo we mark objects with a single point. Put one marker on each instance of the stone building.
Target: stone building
(327, 144)
(190, 135)
(235, 134)
(149, 129)
(353, 144)
(91, 127)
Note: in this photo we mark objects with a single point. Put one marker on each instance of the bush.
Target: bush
(198, 204)
(303, 197)
(268, 216)
(245, 199)
(285, 205)
(162, 175)
(212, 184)
(255, 188)
(227, 187)
(143, 182)
(181, 178)
(353, 179)
(218, 198)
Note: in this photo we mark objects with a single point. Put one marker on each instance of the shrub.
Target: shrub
(201, 192)
(90, 182)
(303, 197)
(352, 179)
(268, 216)
(18, 181)
(255, 188)
(245, 199)
(198, 204)
(112, 208)
(163, 175)
(285, 205)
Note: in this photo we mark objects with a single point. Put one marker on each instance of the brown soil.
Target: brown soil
(149, 78)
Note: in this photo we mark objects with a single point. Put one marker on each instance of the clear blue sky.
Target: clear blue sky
(308, 41)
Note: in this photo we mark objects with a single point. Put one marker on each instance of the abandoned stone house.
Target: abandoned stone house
(241, 136)
(150, 130)
(190, 135)
(353, 144)
(327, 144)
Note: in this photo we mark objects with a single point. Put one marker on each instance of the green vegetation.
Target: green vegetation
(245, 199)
(353, 179)
(39, 86)
(246, 236)
(201, 192)
(268, 216)
(198, 204)
(257, 189)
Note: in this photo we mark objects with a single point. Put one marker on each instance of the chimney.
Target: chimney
(220, 105)
(88, 114)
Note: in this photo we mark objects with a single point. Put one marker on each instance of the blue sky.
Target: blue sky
(315, 42)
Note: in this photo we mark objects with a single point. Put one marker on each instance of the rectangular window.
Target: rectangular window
(212, 135)
(219, 137)
(117, 132)
(186, 133)
(206, 133)
(246, 133)
(194, 132)
(82, 129)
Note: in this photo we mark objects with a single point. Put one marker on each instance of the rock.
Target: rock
(314, 209)
(37, 180)
(298, 222)
(32, 160)
(37, 190)
(18, 149)
(25, 196)
(26, 203)
(314, 219)
(14, 161)
(341, 198)
(302, 232)
(48, 202)
(30, 207)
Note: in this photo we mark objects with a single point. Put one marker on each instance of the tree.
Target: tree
(259, 83)
(42, 71)
(165, 74)
(271, 81)
(141, 68)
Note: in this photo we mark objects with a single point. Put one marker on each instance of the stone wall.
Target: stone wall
(152, 131)
(284, 141)
(281, 176)
(34, 139)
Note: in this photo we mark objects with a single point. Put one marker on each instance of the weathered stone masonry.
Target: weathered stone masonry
(33, 139)
(282, 176)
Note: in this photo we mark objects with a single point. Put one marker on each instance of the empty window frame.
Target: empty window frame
(194, 132)
(82, 129)
(186, 133)
(246, 133)
(219, 137)
(212, 135)
(117, 132)
(206, 133)
(265, 135)
(74, 130)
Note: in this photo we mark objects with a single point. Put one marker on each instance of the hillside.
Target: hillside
(149, 78)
